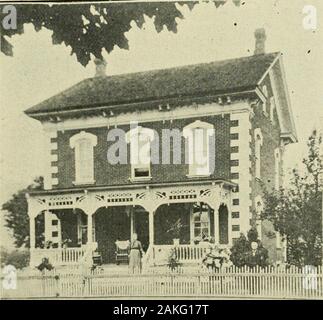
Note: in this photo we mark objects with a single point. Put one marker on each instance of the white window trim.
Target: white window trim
(74, 144)
(258, 145)
(272, 109)
(134, 134)
(187, 133)
(264, 106)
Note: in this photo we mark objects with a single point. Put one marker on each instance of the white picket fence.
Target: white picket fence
(236, 282)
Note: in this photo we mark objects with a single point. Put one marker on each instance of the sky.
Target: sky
(39, 70)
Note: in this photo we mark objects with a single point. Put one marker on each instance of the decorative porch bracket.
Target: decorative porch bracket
(148, 197)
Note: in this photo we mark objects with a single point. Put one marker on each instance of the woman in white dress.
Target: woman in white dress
(135, 255)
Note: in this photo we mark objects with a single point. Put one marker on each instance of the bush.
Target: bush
(18, 258)
(3, 256)
(239, 250)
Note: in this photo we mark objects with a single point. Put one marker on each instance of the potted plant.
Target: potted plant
(175, 231)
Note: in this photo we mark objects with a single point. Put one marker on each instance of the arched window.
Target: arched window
(259, 209)
(140, 151)
(198, 135)
(83, 143)
(264, 105)
(258, 144)
(201, 221)
(223, 225)
(272, 109)
(277, 167)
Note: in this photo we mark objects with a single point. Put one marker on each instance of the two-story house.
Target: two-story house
(96, 192)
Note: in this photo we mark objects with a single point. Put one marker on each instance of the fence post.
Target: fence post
(199, 289)
(57, 285)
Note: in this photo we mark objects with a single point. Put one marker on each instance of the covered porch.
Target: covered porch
(185, 215)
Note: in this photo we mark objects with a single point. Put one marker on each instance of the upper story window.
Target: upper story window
(258, 144)
(198, 135)
(277, 167)
(140, 152)
(264, 105)
(272, 109)
(83, 143)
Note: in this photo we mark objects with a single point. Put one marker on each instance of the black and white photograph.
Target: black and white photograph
(161, 150)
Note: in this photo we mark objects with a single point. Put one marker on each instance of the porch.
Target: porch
(64, 222)
(156, 255)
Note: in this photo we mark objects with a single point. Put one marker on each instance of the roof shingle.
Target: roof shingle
(226, 76)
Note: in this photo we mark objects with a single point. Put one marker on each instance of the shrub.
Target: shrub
(18, 258)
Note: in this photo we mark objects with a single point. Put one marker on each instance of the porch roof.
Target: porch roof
(144, 185)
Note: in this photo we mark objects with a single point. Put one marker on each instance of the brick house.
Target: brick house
(87, 199)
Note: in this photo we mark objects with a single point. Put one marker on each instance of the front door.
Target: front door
(112, 224)
(141, 227)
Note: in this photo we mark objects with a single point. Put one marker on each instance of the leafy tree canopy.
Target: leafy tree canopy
(296, 211)
(89, 28)
(16, 216)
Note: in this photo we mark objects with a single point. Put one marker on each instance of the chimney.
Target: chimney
(260, 37)
(100, 67)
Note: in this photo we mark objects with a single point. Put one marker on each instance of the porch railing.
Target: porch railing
(186, 253)
(58, 256)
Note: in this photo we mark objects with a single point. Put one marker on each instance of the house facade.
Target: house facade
(122, 157)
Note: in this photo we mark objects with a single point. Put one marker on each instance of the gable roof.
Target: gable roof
(227, 76)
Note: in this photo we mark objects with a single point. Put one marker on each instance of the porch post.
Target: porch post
(151, 227)
(79, 229)
(216, 225)
(89, 228)
(32, 232)
(132, 223)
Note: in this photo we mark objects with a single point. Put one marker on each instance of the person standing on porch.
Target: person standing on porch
(136, 253)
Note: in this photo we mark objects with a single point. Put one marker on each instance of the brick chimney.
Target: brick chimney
(100, 67)
(260, 37)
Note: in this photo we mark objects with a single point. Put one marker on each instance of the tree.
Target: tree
(89, 28)
(296, 212)
(16, 217)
